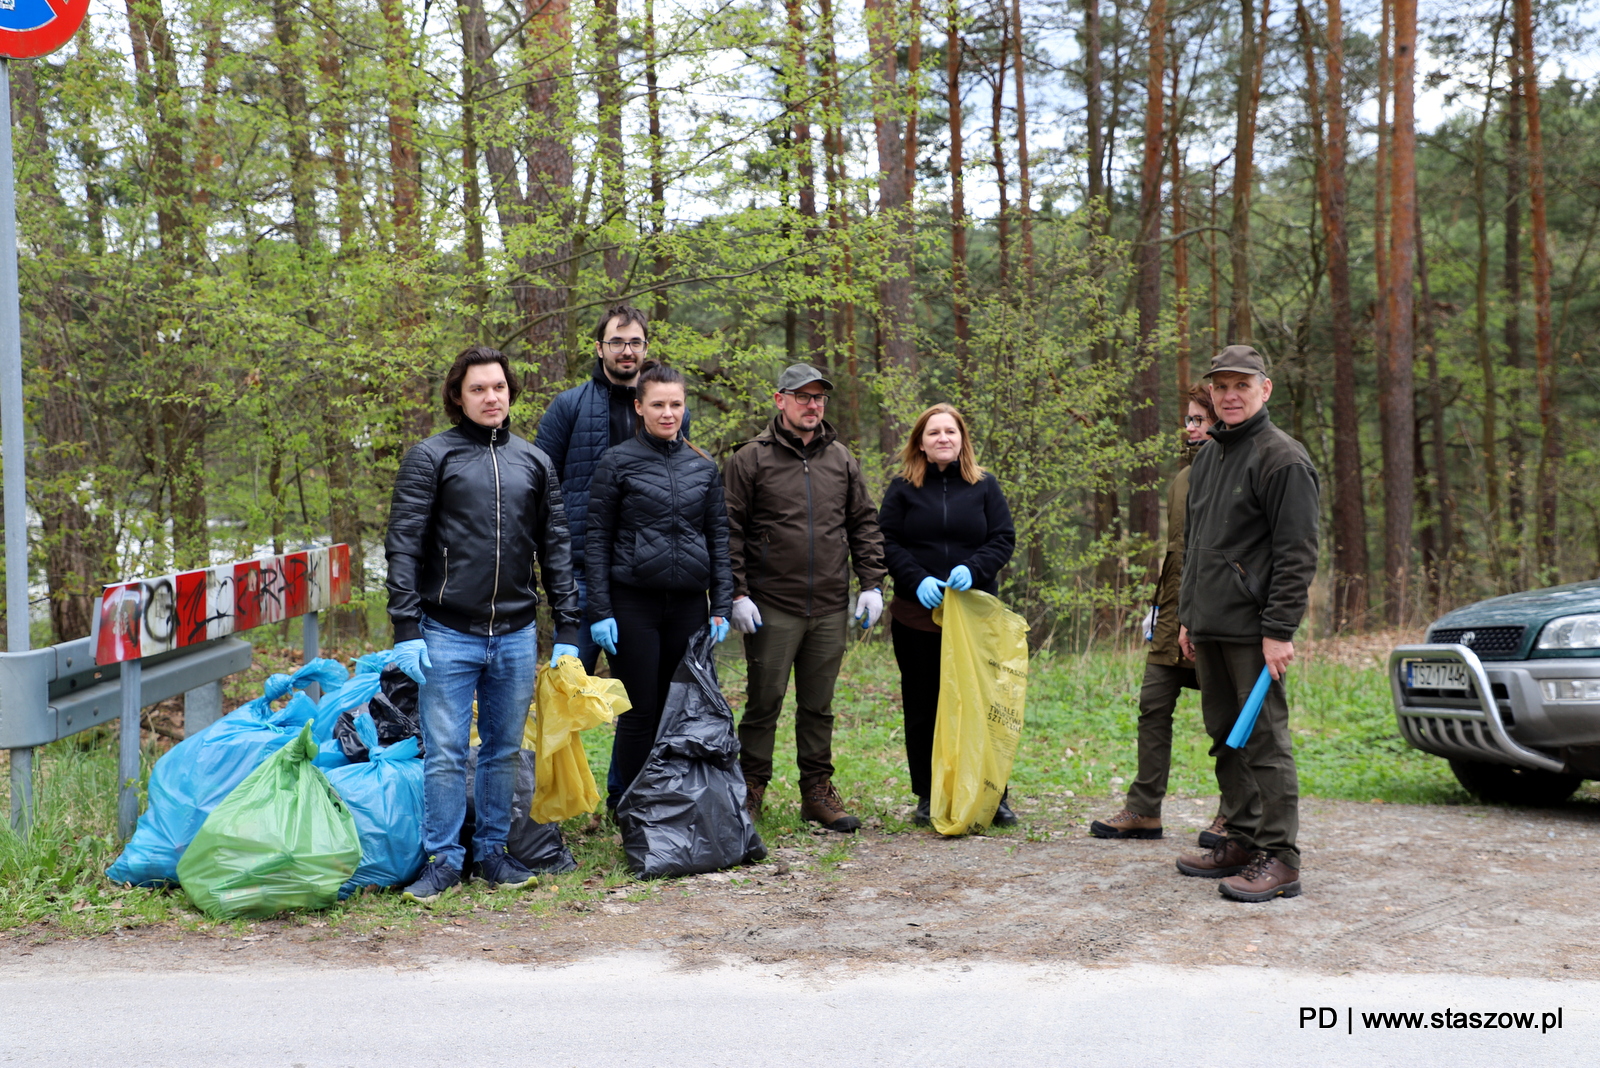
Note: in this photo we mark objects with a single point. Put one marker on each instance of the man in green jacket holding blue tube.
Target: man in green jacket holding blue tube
(1250, 556)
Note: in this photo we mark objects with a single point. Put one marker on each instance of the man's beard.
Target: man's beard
(623, 377)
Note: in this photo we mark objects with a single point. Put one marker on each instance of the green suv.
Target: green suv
(1508, 690)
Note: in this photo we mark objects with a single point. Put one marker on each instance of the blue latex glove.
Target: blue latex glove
(563, 650)
(960, 578)
(604, 634)
(930, 592)
(719, 628)
(412, 658)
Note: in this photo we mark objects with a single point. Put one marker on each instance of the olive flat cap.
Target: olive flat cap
(801, 374)
(1238, 358)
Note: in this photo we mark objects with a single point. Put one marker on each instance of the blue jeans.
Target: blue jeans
(501, 672)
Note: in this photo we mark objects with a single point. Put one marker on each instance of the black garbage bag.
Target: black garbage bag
(395, 711)
(538, 846)
(685, 814)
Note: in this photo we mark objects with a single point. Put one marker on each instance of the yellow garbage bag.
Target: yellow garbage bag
(568, 701)
(983, 683)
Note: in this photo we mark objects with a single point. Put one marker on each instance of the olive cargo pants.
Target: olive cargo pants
(813, 648)
(1260, 788)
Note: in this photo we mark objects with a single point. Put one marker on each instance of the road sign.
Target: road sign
(33, 28)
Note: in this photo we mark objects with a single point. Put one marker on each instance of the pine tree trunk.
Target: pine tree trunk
(1241, 329)
(1399, 471)
(1550, 448)
(1145, 504)
(958, 204)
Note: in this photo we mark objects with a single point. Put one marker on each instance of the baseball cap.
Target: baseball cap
(1238, 358)
(799, 374)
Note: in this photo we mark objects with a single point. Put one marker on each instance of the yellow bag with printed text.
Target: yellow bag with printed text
(983, 683)
(566, 703)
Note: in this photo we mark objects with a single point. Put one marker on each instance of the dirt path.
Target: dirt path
(1392, 888)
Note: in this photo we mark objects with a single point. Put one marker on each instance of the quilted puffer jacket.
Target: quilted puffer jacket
(657, 521)
(575, 431)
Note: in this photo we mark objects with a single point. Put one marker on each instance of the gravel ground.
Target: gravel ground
(1388, 888)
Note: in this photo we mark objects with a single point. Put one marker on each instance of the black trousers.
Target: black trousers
(653, 631)
(917, 652)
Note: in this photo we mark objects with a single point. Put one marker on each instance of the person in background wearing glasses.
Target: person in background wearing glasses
(1167, 672)
(586, 420)
(799, 515)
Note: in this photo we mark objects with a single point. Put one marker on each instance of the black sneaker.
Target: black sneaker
(1003, 816)
(500, 869)
(436, 878)
(922, 817)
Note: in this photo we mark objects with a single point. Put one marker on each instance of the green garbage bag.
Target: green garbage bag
(281, 840)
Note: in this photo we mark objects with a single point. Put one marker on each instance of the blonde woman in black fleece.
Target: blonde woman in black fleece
(945, 523)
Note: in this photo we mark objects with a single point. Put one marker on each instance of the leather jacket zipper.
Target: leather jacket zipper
(672, 483)
(446, 581)
(494, 459)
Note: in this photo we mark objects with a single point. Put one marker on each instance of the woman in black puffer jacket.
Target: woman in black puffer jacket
(657, 544)
(945, 522)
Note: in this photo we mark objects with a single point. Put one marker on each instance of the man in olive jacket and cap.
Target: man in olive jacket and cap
(799, 515)
(1250, 553)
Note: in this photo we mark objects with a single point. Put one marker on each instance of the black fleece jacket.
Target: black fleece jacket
(657, 521)
(1250, 541)
(947, 521)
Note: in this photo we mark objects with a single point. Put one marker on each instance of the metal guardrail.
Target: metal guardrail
(1486, 715)
(56, 692)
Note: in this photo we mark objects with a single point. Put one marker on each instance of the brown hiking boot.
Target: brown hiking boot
(754, 794)
(820, 803)
(1227, 858)
(1263, 879)
(1214, 833)
(1127, 824)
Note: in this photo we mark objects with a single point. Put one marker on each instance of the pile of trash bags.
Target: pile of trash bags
(295, 807)
(303, 804)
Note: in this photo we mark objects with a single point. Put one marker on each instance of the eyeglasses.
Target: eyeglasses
(637, 344)
(806, 400)
(1194, 420)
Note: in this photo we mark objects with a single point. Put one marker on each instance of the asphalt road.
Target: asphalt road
(643, 1010)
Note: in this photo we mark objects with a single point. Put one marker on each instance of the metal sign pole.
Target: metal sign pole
(13, 441)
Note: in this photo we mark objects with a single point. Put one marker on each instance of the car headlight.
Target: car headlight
(1571, 632)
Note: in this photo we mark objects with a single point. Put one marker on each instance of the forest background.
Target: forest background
(255, 231)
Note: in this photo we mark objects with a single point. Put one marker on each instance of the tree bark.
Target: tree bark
(1024, 182)
(1444, 501)
(1550, 448)
(1515, 164)
(958, 202)
(608, 92)
(799, 94)
(405, 179)
(1241, 328)
(997, 100)
(898, 347)
(1145, 504)
(1180, 244)
(1399, 471)
(1489, 438)
(1349, 511)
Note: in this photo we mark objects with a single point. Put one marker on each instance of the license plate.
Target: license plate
(1438, 675)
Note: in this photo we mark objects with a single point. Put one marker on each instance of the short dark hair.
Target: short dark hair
(473, 357)
(656, 373)
(628, 314)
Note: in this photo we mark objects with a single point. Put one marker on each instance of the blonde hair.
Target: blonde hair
(914, 462)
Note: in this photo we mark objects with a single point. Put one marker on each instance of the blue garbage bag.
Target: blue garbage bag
(199, 772)
(348, 699)
(384, 795)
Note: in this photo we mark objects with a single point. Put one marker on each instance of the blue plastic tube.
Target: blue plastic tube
(1252, 708)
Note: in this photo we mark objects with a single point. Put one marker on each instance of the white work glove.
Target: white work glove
(746, 617)
(869, 607)
(1147, 625)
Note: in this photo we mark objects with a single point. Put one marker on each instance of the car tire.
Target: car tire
(1505, 784)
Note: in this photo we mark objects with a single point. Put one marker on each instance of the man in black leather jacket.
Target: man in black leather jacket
(474, 510)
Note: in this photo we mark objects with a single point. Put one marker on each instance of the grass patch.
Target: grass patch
(1079, 743)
